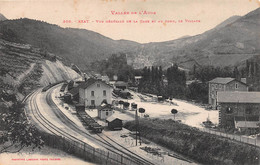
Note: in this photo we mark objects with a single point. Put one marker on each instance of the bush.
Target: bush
(199, 146)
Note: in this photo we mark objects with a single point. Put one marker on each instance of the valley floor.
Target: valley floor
(188, 113)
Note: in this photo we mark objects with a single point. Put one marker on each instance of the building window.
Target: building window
(236, 85)
(98, 85)
(104, 92)
(229, 110)
(248, 111)
(92, 93)
(106, 113)
(93, 102)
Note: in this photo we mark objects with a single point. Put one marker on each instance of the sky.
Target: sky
(197, 16)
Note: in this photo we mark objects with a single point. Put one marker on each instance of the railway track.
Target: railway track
(95, 137)
(45, 122)
(57, 131)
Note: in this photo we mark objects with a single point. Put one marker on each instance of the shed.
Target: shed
(105, 111)
(121, 85)
(114, 123)
(160, 98)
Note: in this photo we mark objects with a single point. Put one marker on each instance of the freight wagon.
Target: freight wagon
(88, 120)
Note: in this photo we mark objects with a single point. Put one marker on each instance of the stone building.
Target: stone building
(239, 110)
(94, 92)
(224, 84)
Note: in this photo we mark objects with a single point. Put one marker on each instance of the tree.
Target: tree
(18, 132)
(194, 70)
(141, 110)
(126, 104)
(236, 73)
(174, 111)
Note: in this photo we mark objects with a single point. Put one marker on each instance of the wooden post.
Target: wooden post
(136, 118)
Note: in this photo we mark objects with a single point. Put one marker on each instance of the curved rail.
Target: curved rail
(103, 142)
(55, 130)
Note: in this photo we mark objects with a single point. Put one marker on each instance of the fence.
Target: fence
(85, 151)
(240, 138)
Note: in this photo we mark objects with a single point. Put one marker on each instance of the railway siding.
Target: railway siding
(62, 140)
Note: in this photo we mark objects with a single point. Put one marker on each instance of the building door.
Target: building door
(92, 102)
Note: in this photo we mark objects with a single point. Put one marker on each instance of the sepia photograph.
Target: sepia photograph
(130, 82)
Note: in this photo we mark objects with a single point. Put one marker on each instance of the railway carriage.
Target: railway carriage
(88, 120)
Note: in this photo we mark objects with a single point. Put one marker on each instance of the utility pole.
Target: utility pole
(136, 125)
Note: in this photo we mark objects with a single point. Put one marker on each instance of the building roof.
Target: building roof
(226, 80)
(74, 91)
(238, 97)
(246, 124)
(243, 80)
(112, 118)
(105, 106)
(222, 80)
(120, 83)
(91, 81)
(192, 81)
(246, 118)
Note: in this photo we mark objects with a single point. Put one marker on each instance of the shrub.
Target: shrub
(195, 144)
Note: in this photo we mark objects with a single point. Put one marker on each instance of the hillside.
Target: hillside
(24, 67)
(73, 45)
(230, 43)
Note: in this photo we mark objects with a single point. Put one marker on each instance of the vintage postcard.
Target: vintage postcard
(156, 82)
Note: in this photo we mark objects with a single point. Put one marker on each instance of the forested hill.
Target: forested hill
(231, 43)
(76, 46)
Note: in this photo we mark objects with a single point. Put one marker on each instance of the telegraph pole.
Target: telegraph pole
(136, 118)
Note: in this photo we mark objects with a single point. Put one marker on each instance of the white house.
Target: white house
(94, 92)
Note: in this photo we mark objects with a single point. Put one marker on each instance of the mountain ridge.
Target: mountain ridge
(229, 43)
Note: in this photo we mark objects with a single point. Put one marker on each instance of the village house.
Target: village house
(189, 82)
(138, 79)
(239, 110)
(105, 111)
(224, 84)
(94, 92)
